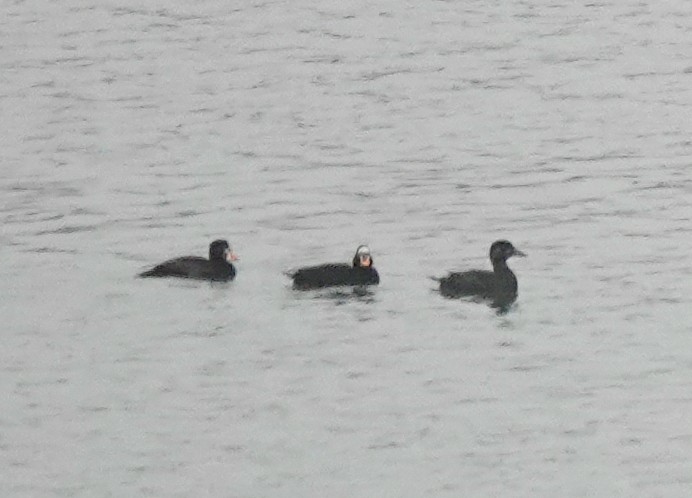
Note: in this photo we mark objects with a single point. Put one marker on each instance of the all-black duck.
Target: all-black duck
(499, 286)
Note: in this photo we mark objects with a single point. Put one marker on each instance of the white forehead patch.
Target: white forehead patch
(363, 251)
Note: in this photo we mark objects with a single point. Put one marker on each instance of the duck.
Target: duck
(498, 286)
(360, 272)
(219, 266)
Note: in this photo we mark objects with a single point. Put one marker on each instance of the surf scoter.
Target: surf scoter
(360, 272)
(218, 267)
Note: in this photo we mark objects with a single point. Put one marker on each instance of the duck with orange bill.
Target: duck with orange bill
(361, 272)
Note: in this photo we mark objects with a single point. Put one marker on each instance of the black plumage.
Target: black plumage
(218, 267)
(361, 272)
(499, 286)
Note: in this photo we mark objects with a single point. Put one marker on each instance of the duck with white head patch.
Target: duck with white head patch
(360, 272)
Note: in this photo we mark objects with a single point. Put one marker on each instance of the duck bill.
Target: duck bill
(519, 253)
(231, 256)
(365, 261)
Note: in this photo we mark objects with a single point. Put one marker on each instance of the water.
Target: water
(137, 133)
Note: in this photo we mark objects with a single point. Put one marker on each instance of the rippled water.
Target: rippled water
(136, 133)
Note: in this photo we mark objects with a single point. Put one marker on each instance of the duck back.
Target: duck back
(471, 283)
(499, 286)
(329, 275)
(193, 267)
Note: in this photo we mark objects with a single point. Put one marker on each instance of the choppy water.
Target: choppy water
(135, 133)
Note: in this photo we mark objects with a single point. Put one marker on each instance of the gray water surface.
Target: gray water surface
(298, 130)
